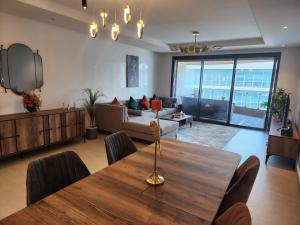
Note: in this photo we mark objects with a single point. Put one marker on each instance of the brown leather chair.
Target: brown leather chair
(48, 175)
(238, 214)
(118, 146)
(241, 184)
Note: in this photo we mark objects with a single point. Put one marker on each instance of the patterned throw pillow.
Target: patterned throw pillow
(116, 102)
(132, 104)
(168, 102)
(145, 103)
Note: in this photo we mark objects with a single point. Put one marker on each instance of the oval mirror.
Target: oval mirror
(21, 66)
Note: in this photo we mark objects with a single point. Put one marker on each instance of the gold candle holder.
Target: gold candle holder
(155, 178)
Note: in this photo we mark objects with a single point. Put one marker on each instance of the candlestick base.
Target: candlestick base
(155, 179)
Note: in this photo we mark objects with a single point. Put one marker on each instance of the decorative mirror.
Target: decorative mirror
(21, 70)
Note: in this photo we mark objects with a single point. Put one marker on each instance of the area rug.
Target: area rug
(212, 135)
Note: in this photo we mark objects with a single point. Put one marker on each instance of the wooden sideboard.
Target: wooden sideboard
(287, 147)
(27, 131)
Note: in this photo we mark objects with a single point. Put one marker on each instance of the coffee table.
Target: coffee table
(186, 119)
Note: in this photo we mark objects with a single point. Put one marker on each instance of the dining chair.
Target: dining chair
(118, 146)
(238, 214)
(241, 184)
(48, 175)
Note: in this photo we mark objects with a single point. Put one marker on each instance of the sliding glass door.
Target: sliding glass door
(252, 85)
(215, 90)
(230, 89)
(187, 86)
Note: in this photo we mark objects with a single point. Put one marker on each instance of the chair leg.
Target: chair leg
(267, 158)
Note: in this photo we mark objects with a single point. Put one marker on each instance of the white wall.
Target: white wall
(73, 61)
(288, 78)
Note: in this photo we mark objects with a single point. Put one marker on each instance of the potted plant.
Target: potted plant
(278, 102)
(31, 101)
(89, 101)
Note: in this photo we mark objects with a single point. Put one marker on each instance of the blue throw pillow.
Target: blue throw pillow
(132, 104)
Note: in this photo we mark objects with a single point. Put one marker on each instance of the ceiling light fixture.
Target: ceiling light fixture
(84, 4)
(195, 48)
(285, 27)
(94, 29)
(140, 26)
(127, 14)
(103, 15)
(115, 29)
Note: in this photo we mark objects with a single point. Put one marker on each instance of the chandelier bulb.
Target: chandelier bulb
(127, 14)
(140, 28)
(104, 15)
(115, 31)
(94, 29)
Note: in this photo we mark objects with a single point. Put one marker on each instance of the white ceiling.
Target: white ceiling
(235, 24)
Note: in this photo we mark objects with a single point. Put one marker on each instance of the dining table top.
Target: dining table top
(196, 180)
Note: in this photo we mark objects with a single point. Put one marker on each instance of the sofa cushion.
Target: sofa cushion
(132, 104)
(115, 102)
(145, 103)
(168, 102)
(142, 124)
(149, 113)
(170, 110)
(154, 97)
(135, 112)
(165, 111)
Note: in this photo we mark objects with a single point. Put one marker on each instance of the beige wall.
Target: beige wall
(289, 73)
(73, 61)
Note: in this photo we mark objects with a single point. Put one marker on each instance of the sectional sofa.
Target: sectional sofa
(136, 123)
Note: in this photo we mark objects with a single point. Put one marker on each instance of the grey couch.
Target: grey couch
(113, 118)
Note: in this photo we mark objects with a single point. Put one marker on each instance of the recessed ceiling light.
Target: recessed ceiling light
(84, 4)
(285, 27)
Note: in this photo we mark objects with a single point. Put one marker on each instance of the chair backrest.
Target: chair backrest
(241, 184)
(48, 175)
(238, 214)
(118, 146)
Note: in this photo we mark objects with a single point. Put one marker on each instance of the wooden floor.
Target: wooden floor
(275, 199)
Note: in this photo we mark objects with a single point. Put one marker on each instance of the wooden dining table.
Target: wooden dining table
(196, 179)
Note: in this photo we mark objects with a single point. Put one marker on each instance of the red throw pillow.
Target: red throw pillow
(145, 103)
(116, 102)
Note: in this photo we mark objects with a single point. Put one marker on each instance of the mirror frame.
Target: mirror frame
(4, 70)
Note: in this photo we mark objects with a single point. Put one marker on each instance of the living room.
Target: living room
(191, 34)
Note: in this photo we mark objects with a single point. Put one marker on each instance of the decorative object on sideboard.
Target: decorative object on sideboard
(155, 178)
(90, 98)
(278, 104)
(115, 28)
(32, 101)
(132, 71)
(21, 69)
